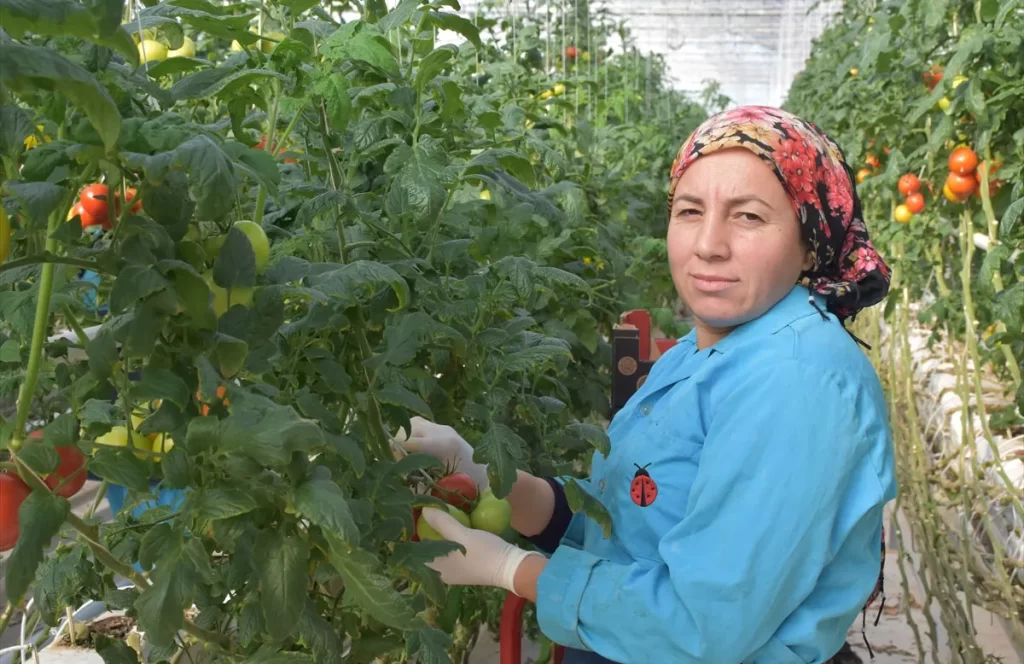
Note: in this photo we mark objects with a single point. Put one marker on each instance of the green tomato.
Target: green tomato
(491, 514)
(258, 240)
(239, 295)
(427, 532)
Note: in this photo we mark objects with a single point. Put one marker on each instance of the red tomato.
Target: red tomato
(72, 464)
(915, 202)
(993, 184)
(571, 52)
(13, 492)
(961, 185)
(863, 174)
(963, 161)
(457, 489)
(908, 184)
(931, 78)
(872, 161)
(95, 200)
(130, 196)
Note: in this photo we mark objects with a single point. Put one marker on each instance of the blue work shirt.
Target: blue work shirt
(772, 459)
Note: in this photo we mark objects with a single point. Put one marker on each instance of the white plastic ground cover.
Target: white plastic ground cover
(941, 411)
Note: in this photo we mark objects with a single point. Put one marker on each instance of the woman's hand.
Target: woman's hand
(488, 560)
(531, 498)
(444, 443)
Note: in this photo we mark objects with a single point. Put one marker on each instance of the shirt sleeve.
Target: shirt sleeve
(785, 476)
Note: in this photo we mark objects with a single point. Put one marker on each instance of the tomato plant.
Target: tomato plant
(958, 269)
(298, 258)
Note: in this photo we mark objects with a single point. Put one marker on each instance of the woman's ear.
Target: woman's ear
(808, 260)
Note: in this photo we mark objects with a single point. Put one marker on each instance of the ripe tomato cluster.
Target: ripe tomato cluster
(966, 174)
(93, 206)
(466, 504)
(909, 185)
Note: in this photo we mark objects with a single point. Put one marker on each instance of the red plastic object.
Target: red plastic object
(640, 319)
(510, 643)
(664, 344)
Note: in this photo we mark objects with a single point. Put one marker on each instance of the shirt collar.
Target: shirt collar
(794, 306)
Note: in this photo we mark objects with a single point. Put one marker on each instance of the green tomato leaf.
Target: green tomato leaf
(319, 635)
(32, 68)
(114, 651)
(161, 607)
(15, 127)
(429, 646)
(38, 199)
(39, 456)
(370, 588)
(434, 63)
(236, 263)
(266, 432)
(121, 466)
(358, 41)
(334, 90)
(211, 176)
(396, 395)
(134, 283)
(62, 432)
(361, 279)
(591, 434)
(455, 23)
(420, 180)
(161, 384)
(501, 449)
(230, 353)
(40, 518)
(224, 503)
(398, 16)
(580, 500)
(280, 564)
(324, 504)
(1010, 217)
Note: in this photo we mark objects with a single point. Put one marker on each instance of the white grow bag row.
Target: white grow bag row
(941, 411)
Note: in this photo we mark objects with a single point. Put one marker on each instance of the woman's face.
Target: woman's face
(733, 241)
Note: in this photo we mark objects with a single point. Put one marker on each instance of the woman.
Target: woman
(747, 476)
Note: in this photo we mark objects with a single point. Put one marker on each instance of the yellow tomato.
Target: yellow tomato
(559, 89)
(162, 445)
(957, 80)
(902, 214)
(187, 50)
(944, 103)
(150, 50)
(118, 437)
(485, 195)
(854, 72)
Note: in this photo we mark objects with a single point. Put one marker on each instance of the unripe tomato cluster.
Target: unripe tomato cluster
(65, 480)
(468, 505)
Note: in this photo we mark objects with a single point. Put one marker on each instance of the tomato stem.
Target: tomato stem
(38, 332)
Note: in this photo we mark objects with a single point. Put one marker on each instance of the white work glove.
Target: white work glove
(444, 443)
(488, 560)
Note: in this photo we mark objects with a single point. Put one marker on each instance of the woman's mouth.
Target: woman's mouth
(708, 283)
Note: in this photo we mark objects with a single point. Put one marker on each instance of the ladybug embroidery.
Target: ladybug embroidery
(643, 490)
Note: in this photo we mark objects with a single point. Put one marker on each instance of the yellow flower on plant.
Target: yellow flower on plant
(587, 260)
(600, 266)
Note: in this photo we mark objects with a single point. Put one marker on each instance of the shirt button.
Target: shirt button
(645, 409)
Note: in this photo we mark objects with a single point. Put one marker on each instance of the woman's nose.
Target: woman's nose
(712, 241)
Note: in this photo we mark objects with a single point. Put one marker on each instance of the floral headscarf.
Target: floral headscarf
(847, 270)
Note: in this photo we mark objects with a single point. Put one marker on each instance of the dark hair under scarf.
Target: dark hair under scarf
(847, 269)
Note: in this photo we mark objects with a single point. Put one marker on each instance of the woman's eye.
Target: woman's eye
(688, 212)
(750, 216)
